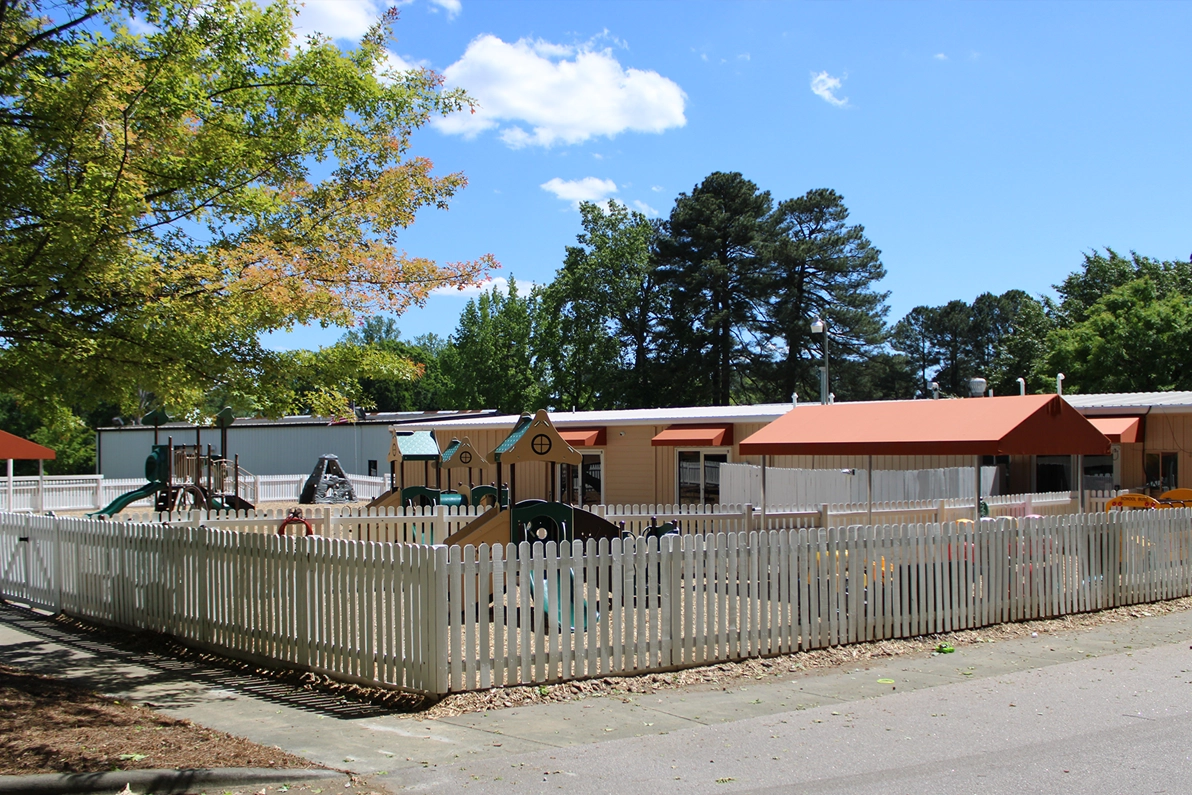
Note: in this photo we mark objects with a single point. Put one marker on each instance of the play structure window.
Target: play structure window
(372, 468)
(1162, 471)
(699, 477)
(583, 485)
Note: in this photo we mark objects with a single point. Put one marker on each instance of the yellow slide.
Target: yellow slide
(390, 499)
(491, 527)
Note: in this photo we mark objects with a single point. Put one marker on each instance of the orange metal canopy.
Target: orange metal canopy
(1119, 430)
(585, 437)
(16, 448)
(695, 436)
(1013, 425)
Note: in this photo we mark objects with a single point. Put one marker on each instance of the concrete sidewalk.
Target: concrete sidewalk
(611, 735)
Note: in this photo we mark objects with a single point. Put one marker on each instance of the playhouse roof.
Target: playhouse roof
(418, 446)
(1014, 425)
(13, 447)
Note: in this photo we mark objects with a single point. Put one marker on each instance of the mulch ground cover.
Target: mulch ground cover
(51, 726)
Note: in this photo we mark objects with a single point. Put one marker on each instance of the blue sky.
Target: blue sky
(984, 146)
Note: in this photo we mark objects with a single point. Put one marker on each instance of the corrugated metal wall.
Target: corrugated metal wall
(263, 450)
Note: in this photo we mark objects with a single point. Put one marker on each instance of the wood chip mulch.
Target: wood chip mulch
(51, 726)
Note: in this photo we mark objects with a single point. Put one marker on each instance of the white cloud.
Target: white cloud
(645, 209)
(588, 189)
(351, 19)
(657, 188)
(339, 19)
(498, 282)
(939, 56)
(452, 7)
(824, 86)
(743, 57)
(540, 93)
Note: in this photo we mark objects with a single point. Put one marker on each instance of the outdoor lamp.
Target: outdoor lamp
(818, 326)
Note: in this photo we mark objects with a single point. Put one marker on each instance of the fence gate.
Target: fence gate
(28, 563)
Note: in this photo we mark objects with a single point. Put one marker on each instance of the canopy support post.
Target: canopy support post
(869, 488)
(1080, 480)
(764, 492)
(41, 485)
(10, 507)
(977, 493)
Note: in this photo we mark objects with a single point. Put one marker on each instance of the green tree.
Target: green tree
(819, 266)
(490, 362)
(159, 204)
(710, 256)
(423, 388)
(1135, 338)
(912, 335)
(596, 326)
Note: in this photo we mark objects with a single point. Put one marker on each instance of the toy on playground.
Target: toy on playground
(422, 446)
(184, 477)
(328, 484)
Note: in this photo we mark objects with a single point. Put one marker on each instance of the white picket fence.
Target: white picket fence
(92, 492)
(432, 525)
(436, 619)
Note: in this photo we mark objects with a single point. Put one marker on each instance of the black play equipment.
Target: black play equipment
(328, 484)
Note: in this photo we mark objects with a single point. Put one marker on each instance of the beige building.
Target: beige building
(648, 456)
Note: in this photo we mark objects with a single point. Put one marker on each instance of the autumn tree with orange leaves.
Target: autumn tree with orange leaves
(178, 177)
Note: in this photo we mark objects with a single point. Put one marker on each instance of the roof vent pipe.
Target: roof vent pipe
(1021, 385)
(794, 399)
(977, 387)
(935, 390)
(1059, 383)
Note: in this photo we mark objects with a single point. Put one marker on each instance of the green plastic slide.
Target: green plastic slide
(124, 500)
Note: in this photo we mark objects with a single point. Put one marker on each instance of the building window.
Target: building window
(372, 468)
(1162, 471)
(698, 480)
(1053, 473)
(583, 484)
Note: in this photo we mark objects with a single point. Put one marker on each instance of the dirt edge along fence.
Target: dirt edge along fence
(435, 620)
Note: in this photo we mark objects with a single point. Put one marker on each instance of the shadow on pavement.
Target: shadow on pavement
(115, 662)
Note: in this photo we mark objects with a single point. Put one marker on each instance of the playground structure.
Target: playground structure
(184, 477)
(535, 439)
(1174, 498)
(422, 446)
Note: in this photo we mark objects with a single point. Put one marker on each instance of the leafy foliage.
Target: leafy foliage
(167, 196)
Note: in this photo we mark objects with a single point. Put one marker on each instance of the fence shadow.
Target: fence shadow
(101, 659)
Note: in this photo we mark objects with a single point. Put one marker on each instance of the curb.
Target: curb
(157, 781)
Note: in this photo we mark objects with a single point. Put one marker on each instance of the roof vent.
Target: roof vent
(977, 387)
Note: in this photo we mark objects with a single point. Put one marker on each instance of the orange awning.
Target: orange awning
(585, 437)
(14, 447)
(1013, 425)
(1119, 430)
(695, 436)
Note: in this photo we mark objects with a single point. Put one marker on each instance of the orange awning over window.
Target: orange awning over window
(695, 436)
(14, 447)
(585, 437)
(1014, 425)
(1119, 430)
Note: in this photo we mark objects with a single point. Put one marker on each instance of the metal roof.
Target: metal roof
(374, 418)
(763, 412)
(1015, 425)
(16, 448)
(1132, 402)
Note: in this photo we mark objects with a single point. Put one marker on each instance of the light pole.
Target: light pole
(818, 326)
